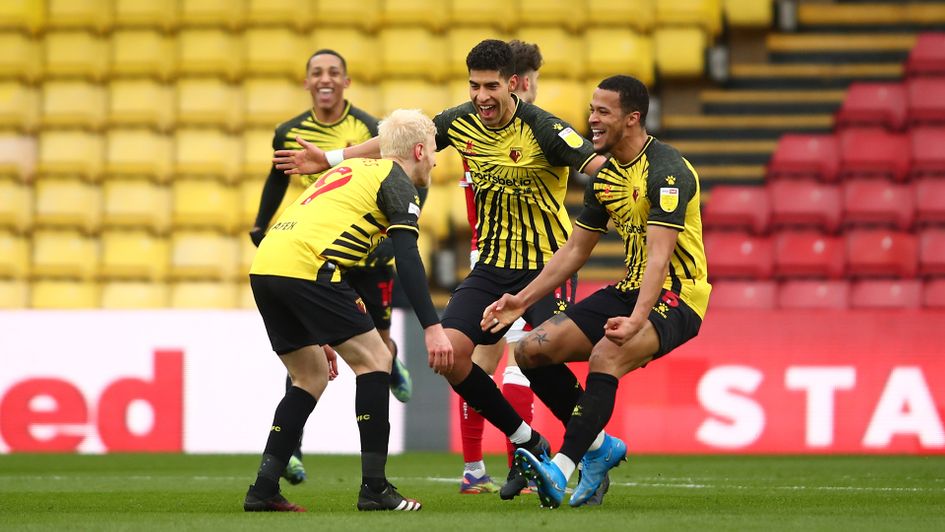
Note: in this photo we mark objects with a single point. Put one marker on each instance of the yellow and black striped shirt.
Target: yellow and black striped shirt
(520, 174)
(659, 187)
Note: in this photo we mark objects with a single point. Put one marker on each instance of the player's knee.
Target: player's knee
(313, 382)
(528, 355)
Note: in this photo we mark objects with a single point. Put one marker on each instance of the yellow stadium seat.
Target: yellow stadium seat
(95, 15)
(142, 53)
(71, 153)
(17, 156)
(570, 14)
(364, 14)
(434, 218)
(14, 255)
(274, 52)
(458, 92)
(126, 295)
(748, 13)
(567, 99)
(140, 102)
(618, 51)
(359, 49)
(365, 97)
(431, 98)
(206, 153)
(203, 255)
(19, 106)
(459, 41)
(704, 13)
(257, 153)
(16, 205)
(247, 254)
(269, 102)
(134, 255)
(208, 102)
(563, 54)
(680, 52)
(72, 54)
(204, 295)
(432, 14)
(133, 203)
(500, 14)
(73, 104)
(638, 14)
(23, 15)
(250, 192)
(449, 167)
(65, 254)
(204, 204)
(138, 152)
(22, 56)
(246, 299)
(458, 216)
(64, 295)
(208, 52)
(292, 13)
(14, 294)
(68, 203)
(229, 14)
(158, 14)
(411, 53)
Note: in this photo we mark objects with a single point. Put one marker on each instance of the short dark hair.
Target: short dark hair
(633, 94)
(492, 54)
(525, 57)
(327, 51)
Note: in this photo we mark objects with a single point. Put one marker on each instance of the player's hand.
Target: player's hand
(381, 254)
(256, 234)
(309, 160)
(332, 358)
(439, 349)
(502, 313)
(621, 329)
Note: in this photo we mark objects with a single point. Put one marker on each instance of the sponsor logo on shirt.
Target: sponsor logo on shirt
(669, 198)
(571, 137)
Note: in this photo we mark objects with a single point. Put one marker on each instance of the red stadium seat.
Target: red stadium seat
(874, 104)
(932, 252)
(934, 294)
(804, 204)
(878, 202)
(808, 254)
(926, 101)
(814, 156)
(928, 157)
(737, 207)
(930, 201)
(881, 253)
(927, 57)
(811, 294)
(874, 153)
(738, 255)
(886, 293)
(758, 295)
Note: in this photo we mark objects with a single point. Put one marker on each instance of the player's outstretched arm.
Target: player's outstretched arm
(313, 160)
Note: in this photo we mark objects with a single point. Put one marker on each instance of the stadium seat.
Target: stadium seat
(621, 50)
(813, 294)
(411, 53)
(434, 217)
(886, 294)
(808, 254)
(279, 13)
(449, 168)
(60, 107)
(14, 256)
(934, 294)
(680, 51)
(138, 152)
(142, 53)
(70, 54)
(360, 50)
(157, 14)
(878, 202)
(245, 298)
(208, 52)
(431, 98)
(274, 52)
(26, 16)
(14, 294)
(874, 104)
(71, 153)
(932, 252)
(250, 192)
(460, 40)
(206, 153)
(140, 103)
(926, 97)
(18, 156)
(269, 102)
(748, 13)
(59, 294)
(127, 295)
(136, 254)
(210, 103)
(204, 255)
(805, 156)
(737, 207)
(214, 13)
(704, 13)
(805, 204)
(430, 14)
(131, 203)
(638, 14)
(257, 153)
(754, 295)
(22, 56)
(65, 254)
(569, 14)
(739, 255)
(565, 99)
(874, 153)
(562, 54)
(68, 203)
(93, 15)
(363, 96)
(928, 158)
(927, 57)
(364, 14)
(930, 202)
(204, 295)
(16, 205)
(500, 14)
(19, 107)
(204, 204)
(881, 253)
(247, 254)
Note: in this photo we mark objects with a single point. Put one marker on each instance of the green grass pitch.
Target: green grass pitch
(180, 492)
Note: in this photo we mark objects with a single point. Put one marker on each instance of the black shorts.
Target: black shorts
(484, 285)
(674, 321)
(301, 312)
(375, 286)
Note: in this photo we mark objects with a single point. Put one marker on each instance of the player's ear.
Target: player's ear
(514, 82)
(347, 82)
(418, 151)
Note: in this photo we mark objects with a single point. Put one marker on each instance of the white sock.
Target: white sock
(598, 441)
(521, 435)
(564, 464)
(514, 375)
(477, 469)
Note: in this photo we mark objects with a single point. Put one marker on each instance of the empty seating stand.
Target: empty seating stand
(928, 157)
(736, 294)
(927, 57)
(874, 153)
(881, 253)
(872, 202)
(806, 156)
(926, 101)
(814, 294)
(807, 204)
(737, 207)
(808, 254)
(874, 104)
(739, 255)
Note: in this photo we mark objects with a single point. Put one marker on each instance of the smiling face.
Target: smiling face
(492, 96)
(326, 80)
(609, 124)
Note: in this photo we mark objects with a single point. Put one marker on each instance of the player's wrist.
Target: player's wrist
(334, 157)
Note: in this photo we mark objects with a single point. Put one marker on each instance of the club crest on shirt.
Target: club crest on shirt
(515, 154)
(571, 137)
(670, 180)
(469, 150)
(636, 193)
(669, 198)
